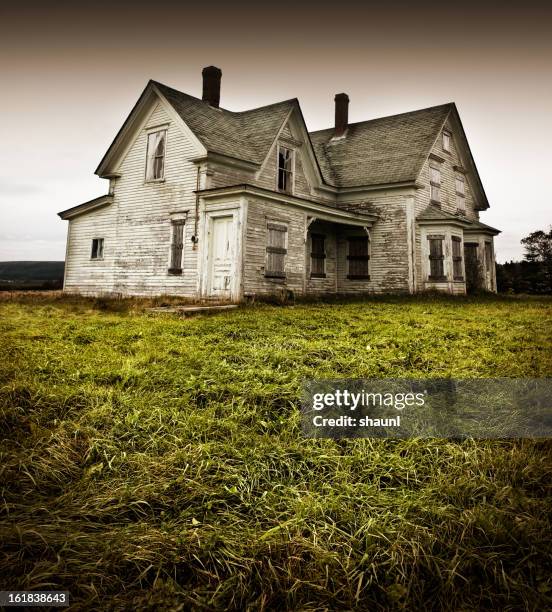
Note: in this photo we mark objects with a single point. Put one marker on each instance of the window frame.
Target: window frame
(150, 133)
(457, 259)
(318, 255)
(365, 258)
(435, 185)
(99, 252)
(280, 227)
(460, 195)
(175, 246)
(441, 257)
(290, 173)
(446, 134)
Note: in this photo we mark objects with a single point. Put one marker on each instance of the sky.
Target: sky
(71, 72)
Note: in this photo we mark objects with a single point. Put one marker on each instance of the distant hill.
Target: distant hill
(31, 274)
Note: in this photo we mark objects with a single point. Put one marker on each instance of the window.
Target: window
(97, 248)
(285, 169)
(460, 192)
(436, 258)
(177, 245)
(358, 257)
(276, 250)
(488, 257)
(457, 271)
(318, 256)
(155, 162)
(435, 182)
(446, 140)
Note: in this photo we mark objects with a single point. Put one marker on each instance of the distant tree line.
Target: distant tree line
(534, 273)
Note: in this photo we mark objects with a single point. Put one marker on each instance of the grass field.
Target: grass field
(156, 463)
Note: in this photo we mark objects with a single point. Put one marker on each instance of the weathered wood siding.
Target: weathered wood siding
(82, 274)
(259, 213)
(388, 267)
(137, 226)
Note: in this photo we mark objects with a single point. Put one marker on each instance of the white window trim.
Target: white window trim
(92, 248)
(149, 132)
(293, 154)
(447, 133)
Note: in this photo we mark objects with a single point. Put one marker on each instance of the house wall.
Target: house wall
(329, 283)
(82, 274)
(259, 213)
(448, 204)
(389, 246)
(137, 226)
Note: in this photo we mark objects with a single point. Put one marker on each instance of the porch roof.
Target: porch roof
(316, 210)
(435, 216)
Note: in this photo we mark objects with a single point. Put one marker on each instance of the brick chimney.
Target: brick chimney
(341, 113)
(211, 85)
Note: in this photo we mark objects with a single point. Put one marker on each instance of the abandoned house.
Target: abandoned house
(209, 203)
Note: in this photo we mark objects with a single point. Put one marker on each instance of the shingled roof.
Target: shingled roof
(246, 135)
(386, 150)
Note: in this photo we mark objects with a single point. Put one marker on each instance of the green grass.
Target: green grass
(156, 463)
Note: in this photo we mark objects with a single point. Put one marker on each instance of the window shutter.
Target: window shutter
(436, 257)
(318, 256)
(358, 258)
(457, 258)
(177, 246)
(276, 250)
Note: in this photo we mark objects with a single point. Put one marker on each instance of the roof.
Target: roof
(247, 135)
(85, 207)
(434, 214)
(380, 151)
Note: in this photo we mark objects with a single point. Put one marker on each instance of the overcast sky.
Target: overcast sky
(71, 72)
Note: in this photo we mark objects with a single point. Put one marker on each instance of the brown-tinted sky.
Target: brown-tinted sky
(71, 72)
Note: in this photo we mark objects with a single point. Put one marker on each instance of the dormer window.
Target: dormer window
(155, 160)
(446, 140)
(285, 169)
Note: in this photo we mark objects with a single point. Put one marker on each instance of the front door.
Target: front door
(221, 257)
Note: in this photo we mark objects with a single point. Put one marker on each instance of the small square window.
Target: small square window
(97, 248)
(446, 140)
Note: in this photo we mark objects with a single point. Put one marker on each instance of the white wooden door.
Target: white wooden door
(221, 259)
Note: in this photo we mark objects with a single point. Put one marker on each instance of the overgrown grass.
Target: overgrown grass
(156, 463)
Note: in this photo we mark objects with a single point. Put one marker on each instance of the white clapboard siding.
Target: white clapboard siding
(137, 227)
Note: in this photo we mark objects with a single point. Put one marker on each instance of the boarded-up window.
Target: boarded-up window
(318, 255)
(155, 162)
(97, 248)
(435, 182)
(436, 258)
(446, 140)
(358, 257)
(276, 250)
(177, 246)
(285, 169)
(460, 192)
(457, 271)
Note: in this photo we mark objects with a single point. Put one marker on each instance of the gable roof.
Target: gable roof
(246, 135)
(385, 151)
(380, 151)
